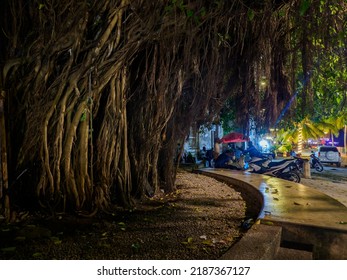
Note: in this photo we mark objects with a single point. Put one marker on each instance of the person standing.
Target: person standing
(216, 149)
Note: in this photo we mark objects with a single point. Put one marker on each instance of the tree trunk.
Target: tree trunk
(100, 92)
(4, 187)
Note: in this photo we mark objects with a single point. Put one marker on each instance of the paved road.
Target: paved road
(331, 172)
(331, 181)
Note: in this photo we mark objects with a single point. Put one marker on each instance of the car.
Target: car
(329, 154)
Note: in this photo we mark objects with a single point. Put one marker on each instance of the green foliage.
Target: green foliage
(312, 129)
(304, 6)
(180, 5)
(320, 50)
(250, 14)
(285, 148)
(228, 116)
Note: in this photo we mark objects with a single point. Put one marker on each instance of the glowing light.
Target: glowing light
(300, 140)
(264, 144)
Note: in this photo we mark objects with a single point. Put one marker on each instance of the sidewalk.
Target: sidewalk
(305, 214)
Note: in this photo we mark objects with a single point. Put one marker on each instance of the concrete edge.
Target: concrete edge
(326, 246)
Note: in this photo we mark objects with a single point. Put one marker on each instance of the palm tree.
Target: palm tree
(341, 122)
(308, 129)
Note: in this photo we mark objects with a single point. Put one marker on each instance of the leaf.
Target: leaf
(20, 238)
(203, 12)
(56, 240)
(37, 255)
(8, 249)
(83, 117)
(189, 241)
(304, 6)
(281, 13)
(135, 246)
(229, 239)
(190, 13)
(168, 8)
(208, 242)
(206, 250)
(250, 14)
(342, 223)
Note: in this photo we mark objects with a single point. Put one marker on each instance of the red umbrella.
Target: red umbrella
(234, 137)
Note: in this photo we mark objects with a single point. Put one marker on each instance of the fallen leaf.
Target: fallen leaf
(37, 255)
(8, 249)
(135, 246)
(208, 242)
(229, 239)
(207, 250)
(56, 240)
(20, 238)
(189, 241)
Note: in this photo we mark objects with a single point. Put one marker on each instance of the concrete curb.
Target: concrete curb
(307, 218)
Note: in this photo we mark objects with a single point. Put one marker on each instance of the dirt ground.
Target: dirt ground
(200, 221)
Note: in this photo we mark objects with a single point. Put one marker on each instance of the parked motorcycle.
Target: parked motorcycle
(287, 169)
(237, 163)
(315, 162)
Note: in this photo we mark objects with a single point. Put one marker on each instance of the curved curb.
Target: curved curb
(305, 215)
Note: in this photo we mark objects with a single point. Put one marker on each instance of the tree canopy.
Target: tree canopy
(98, 93)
